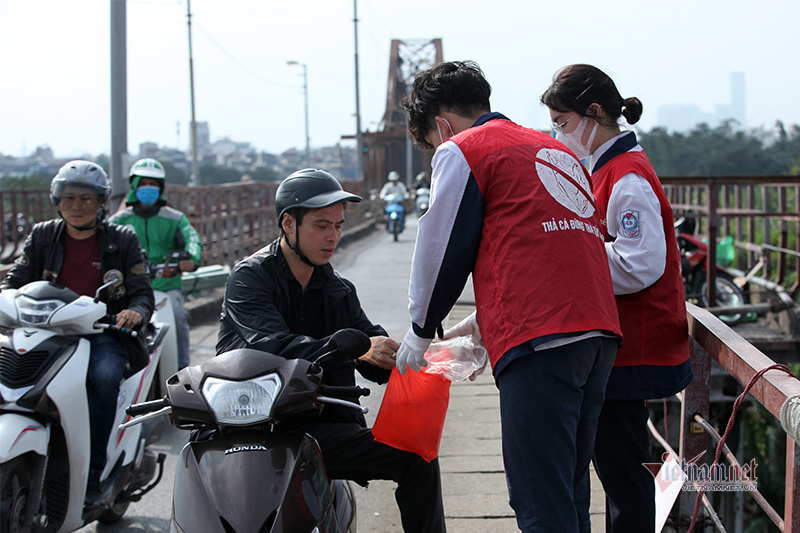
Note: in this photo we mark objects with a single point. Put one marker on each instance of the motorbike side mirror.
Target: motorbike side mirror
(112, 278)
(345, 344)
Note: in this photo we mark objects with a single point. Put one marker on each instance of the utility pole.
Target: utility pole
(119, 100)
(359, 140)
(305, 98)
(195, 177)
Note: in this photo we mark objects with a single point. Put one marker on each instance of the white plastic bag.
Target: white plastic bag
(456, 359)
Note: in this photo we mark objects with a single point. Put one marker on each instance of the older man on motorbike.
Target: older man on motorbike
(288, 300)
(75, 252)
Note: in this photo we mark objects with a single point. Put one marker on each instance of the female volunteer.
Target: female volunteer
(585, 107)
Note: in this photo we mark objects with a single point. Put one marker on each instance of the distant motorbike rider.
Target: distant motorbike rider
(75, 252)
(394, 186)
(422, 181)
(287, 299)
(394, 192)
(422, 193)
(161, 230)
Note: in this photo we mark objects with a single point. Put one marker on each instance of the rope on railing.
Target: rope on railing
(721, 445)
(754, 493)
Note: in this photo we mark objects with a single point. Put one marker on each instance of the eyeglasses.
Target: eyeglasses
(84, 200)
(560, 127)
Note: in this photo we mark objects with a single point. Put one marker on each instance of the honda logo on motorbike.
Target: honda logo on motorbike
(249, 448)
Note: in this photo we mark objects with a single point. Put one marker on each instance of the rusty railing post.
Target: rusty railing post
(791, 513)
(712, 195)
(693, 438)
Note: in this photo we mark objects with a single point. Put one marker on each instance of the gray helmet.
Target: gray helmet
(80, 173)
(310, 188)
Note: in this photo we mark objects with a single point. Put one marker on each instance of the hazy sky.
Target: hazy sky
(54, 62)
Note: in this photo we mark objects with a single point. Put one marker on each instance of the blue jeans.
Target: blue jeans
(181, 327)
(550, 401)
(107, 362)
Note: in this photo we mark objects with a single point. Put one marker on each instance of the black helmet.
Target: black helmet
(310, 188)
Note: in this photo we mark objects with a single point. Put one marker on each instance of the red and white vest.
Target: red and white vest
(541, 267)
(653, 320)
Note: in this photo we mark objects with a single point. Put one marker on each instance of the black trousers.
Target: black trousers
(621, 447)
(351, 452)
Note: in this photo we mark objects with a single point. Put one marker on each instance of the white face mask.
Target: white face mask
(573, 139)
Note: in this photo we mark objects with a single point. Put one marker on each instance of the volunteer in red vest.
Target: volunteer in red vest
(514, 208)
(585, 107)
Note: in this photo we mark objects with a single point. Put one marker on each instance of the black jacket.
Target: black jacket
(255, 314)
(43, 256)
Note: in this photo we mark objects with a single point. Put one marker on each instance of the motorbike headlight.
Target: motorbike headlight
(239, 403)
(36, 312)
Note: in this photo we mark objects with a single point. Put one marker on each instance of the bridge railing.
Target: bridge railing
(775, 390)
(233, 219)
(761, 213)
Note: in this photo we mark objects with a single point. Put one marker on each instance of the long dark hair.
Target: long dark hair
(576, 87)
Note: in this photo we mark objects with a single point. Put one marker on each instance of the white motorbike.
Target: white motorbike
(422, 200)
(44, 412)
(164, 313)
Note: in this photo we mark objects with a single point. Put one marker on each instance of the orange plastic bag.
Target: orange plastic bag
(412, 413)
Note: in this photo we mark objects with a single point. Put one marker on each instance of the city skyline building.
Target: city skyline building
(685, 117)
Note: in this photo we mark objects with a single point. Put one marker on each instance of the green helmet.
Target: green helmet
(148, 168)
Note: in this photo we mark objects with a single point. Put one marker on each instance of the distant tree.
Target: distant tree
(264, 174)
(720, 151)
(794, 167)
(174, 174)
(39, 180)
(786, 148)
(213, 175)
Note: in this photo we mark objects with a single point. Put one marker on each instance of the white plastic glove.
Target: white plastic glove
(412, 352)
(468, 326)
(479, 371)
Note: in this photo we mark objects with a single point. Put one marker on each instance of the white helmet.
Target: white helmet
(148, 168)
(394, 175)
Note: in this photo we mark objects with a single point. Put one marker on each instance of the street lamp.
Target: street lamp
(305, 97)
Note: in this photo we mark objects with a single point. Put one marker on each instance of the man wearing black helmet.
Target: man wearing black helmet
(288, 300)
(75, 252)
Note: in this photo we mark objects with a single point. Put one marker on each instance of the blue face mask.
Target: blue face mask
(148, 194)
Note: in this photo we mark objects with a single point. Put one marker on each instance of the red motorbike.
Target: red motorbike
(694, 266)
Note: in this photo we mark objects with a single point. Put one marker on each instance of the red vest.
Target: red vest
(654, 319)
(541, 267)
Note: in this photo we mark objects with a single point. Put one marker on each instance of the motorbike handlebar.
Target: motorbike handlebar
(143, 408)
(344, 392)
(113, 327)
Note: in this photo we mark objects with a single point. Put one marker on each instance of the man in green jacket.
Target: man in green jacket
(162, 230)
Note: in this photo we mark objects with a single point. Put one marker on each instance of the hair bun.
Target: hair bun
(632, 109)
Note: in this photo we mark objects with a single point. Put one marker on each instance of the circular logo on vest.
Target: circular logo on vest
(562, 189)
